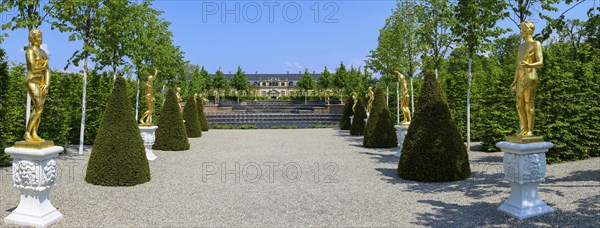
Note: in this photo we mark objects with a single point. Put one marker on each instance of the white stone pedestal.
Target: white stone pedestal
(34, 175)
(401, 131)
(148, 137)
(525, 169)
(351, 119)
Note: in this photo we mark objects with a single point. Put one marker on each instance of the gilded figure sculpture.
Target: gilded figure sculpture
(370, 98)
(146, 119)
(525, 83)
(37, 83)
(179, 100)
(404, 99)
(355, 99)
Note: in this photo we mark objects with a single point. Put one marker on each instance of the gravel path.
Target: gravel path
(306, 177)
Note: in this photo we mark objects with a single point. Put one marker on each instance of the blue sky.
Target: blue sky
(266, 36)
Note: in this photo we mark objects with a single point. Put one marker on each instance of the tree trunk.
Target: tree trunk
(469, 107)
(398, 102)
(82, 128)
(137, 98)
(305, 92)
(387, 94)
(412, 98)
(436, 72)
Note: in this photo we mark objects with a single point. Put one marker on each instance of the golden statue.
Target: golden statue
(37, 84)
(370, 98)
(179, 100)
(327, 96)
(355, 99)
(404, 99)
(146, 119)
(526, 80)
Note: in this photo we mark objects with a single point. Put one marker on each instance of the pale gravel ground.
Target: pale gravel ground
(353, 186)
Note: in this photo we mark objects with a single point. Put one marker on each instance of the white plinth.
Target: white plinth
(401, 131)
(351, 119)
(525, 169)
(34, 175)
(148, 135)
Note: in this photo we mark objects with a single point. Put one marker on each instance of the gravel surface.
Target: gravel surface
(306, 177)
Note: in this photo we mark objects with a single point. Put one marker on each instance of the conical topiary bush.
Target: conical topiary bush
(171, 134)
(201, 115)
(433, 151)
(380, 131)
(118, 157)
(345, 121)
(192, 122)
(359, 125)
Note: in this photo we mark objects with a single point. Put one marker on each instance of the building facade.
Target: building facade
(275, 85)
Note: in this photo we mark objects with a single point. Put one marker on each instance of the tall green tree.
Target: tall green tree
(219, 83)
(399, 47)
(436, 20)
(83, 20)
(206, 82)
(476, 25)
(325, 81)
(305, 83)
(339, 80)
(239, 82)
(196, 83)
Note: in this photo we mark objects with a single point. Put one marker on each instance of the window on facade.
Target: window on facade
(264, 93)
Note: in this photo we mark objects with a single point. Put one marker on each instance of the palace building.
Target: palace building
(275, 85)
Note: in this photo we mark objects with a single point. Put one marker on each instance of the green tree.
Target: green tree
(83, 20)
(196, 82)
(118, 157)
(239, 82)
(433, 150)
(192, 121)
(358, 123)
(207, 82)
(380, 132)
(171, 133)
(477, 23)
(325, 81)
(219, 83)
(4, 108)
(339, 79)
(345, 120)
(436, 19)
(305, 83)
(201, 116)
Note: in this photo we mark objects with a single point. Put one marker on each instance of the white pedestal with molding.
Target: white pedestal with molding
(34, 174)
(148, 135)
(525, 169)
(401, 131)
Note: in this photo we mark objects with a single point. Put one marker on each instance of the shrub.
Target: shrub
(201, 115)
(118, 157)
(433, 151)
(358, 124)
(380, 132)
(345, 121)
(171, 134)
(192, 122)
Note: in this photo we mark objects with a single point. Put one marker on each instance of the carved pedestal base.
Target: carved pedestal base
(525, 169)
(148, 137)
(34, 175)
(401, 131)
(351, 119)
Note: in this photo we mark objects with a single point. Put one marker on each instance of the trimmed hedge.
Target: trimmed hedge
(358, 124)
(171, 134)
(192, 122)
(380, 132)
(433, 151)
(118, 157)
(201, 116)
(345, 121)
